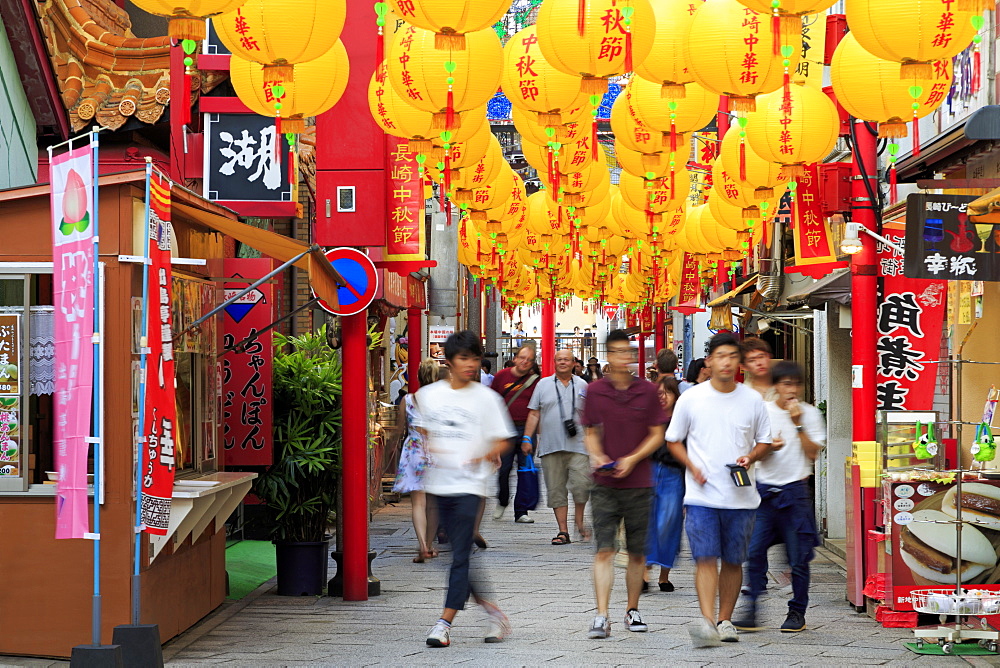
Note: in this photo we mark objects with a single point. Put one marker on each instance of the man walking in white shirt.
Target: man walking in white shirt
(467, 430)
(555, 410)
(785, 514)
(726, 429)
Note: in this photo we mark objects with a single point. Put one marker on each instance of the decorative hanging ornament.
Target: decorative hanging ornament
(278, 35)
(595, 39)
(739, 159)
(794, 129)
(444, 82)
(914, 33)
(743, 62)
(666, 63)
(532, 84)
(451, 20)
(187, 17)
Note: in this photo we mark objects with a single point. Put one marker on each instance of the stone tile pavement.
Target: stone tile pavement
(547, 592)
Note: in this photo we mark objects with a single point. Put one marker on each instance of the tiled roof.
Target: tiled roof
(106, 75)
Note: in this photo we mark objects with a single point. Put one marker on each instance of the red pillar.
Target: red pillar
(414, 347)
(659, 327)
(548, 338)
(864, 286)
(642, 352)
(355, 456)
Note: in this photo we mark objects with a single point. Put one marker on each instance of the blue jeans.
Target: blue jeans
(719, 533)
(666, 516)
(506, 464)
(785, 516)
(458, 518)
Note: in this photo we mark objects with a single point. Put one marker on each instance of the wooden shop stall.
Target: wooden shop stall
(47, 593)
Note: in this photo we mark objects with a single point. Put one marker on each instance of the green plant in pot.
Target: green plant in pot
(301, 486)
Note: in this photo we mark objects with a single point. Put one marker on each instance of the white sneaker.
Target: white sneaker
(498, 512)
(633, 621)
(498, 627)
(727, 632)
(704, 634)
(600, 629)
(438, 637)
(524, 519)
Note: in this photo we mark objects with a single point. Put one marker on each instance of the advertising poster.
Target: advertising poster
(73, 294)
(943, 244)
(160, 411)
(246, 370)
(436, 335)
(924, 543)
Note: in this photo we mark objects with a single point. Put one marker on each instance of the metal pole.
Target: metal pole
(355, 456)
(96, 404)
(414, 347)
(548, 337)
(864, 285)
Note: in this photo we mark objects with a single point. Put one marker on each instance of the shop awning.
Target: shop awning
(323, 278)
(986, 209)
(744, 287)
(833, 288)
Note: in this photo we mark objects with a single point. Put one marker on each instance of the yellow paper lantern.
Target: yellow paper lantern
(650, 166)
(418, 72)
(279, 35)
(592, 179)
(731, 52)
(319, 85)
(400, 119)
(572, 156)
(532, 84)
(653, 195)
(794, 133)
(741, 194)
(788, 12)
(526, 123)
(762, 174)
(458, 183)
(451, 20)
(672, 118)
(490, 195)
(187, 17)
(542, 219)
(872, 89)
(514, 209)
(914, 33)
(461, 154)
(597, 39)
(666, 63)
(632, 133)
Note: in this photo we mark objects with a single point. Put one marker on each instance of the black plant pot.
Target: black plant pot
(302, 568)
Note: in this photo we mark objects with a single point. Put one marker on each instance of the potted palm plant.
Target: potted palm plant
(301, 486)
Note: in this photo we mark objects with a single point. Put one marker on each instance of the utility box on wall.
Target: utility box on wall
(835, 187)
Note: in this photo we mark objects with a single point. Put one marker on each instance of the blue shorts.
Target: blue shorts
(718, 533)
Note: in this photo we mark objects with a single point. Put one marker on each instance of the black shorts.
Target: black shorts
(610, 506)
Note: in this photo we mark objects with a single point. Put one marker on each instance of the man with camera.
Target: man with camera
(555, 409)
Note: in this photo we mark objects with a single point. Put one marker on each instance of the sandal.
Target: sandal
(422, 556)
(562, 538)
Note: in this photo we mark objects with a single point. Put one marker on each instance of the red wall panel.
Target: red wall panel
(363, 227)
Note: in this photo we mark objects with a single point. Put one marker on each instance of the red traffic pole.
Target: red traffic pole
(864, 285)
(414, 347)
(548, 338)
(355, 456)
(659, 327)
(642, 351)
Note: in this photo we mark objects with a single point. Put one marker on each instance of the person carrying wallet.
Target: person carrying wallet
(515, 385)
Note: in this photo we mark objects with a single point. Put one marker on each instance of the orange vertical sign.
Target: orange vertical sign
(405, 238)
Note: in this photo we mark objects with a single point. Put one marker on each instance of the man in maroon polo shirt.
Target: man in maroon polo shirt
(624, 425)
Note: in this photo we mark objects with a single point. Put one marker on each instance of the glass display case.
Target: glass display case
(896, 433)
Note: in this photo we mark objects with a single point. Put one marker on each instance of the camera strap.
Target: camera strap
(572, 395)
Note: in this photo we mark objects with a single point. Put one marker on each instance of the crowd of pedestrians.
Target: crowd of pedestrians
(727, 463)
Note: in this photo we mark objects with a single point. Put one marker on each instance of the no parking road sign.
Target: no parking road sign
(362, 281)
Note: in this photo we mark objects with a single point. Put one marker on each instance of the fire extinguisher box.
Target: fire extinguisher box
(835, 187)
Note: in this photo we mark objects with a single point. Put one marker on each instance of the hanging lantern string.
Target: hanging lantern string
(627, 13)
(893, 150)
(915, 93)
(381, 9)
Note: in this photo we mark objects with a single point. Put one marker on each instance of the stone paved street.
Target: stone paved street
(546, 590)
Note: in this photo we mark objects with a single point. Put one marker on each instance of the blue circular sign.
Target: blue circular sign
(358, 271)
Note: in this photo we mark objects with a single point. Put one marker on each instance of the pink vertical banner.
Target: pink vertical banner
(72, 184)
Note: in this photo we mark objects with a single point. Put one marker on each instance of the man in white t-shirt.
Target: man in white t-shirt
(467, 429)
(785, 514)
(723, 425)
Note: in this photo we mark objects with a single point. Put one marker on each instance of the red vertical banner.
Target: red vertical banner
(911, 312)
(405, 238)
(815, 254)
(690, 291)
(160, 411)
(246, 364)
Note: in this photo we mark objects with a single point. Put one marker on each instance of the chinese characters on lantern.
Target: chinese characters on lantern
(612, 46)
(405, 238)
(750, 64)
(909, 321)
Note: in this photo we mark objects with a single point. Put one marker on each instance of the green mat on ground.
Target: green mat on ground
(958, 649)
(250, 563)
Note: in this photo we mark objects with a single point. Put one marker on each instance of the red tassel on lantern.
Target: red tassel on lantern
(892, 183)
(449, 116)
(552, 175)
(673, 136)
(916, 137)
(447, 209)
(977, 72)
(795, 212)
(628, 50)
(581, 18)
(743, 160)
(447, 176)
(277, 138)
(776, 33)
(593, 139)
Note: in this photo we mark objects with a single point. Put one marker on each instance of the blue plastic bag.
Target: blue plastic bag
(527, 483)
